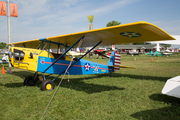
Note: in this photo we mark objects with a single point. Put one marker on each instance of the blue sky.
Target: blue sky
(44, 18)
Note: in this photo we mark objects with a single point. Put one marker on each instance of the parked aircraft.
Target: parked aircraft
(4, 59)
(132, 52)
(35, 55)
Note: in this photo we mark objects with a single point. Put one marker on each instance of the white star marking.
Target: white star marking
(87, 67)
(131, 34)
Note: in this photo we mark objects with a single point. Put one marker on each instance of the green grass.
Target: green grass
(128, 94)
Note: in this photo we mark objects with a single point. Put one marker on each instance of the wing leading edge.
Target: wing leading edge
(127, 33)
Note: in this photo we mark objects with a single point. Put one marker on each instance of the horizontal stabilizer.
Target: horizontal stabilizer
(121, 66)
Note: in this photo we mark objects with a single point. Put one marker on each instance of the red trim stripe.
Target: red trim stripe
(74, 65)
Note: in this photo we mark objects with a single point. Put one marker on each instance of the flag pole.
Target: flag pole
(8, 25)
(90, 18)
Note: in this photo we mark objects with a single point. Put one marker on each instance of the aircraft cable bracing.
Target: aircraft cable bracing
(79, 44)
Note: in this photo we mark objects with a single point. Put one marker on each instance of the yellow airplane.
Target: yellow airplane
(35, 55)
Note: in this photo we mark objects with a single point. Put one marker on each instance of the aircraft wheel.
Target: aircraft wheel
(29, 81)
(47, 85)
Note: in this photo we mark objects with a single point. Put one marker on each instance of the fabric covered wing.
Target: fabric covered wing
(127, 33)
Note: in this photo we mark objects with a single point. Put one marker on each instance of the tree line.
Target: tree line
(3, 45)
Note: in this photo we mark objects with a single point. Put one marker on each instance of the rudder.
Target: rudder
(115, 60)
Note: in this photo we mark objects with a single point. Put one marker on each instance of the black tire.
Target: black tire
(47, 85)
(29, 81)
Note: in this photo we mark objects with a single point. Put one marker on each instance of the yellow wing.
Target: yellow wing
(127, 33)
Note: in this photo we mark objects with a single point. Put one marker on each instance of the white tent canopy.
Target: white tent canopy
(175, 42)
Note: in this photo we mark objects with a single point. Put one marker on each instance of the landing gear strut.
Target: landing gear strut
(29, 81)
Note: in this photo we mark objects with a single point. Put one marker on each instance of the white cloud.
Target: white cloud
(45, 18)
(172, 27)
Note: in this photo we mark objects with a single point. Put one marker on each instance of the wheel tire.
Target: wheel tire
(29, 81)
(47, 85)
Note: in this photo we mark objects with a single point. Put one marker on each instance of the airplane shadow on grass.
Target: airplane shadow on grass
(155, 78)
(79, 84)
(171, 112)
(75, 83)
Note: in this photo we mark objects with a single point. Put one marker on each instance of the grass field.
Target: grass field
(128, 94)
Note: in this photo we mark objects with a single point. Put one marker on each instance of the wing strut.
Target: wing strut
(78, 60)
(63, 54)
(24, 45)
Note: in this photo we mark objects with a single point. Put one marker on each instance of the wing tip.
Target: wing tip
(169, 36)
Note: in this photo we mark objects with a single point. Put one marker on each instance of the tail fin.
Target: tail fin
(115, 60)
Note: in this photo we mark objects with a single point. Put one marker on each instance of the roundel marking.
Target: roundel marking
(87, 66)
(130, 34)
(42, 62)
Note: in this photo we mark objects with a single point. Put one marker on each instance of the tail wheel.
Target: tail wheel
(47, 85)
(29, 81)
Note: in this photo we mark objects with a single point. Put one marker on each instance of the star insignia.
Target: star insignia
(42, 62)
(130, 34)
(87, 67)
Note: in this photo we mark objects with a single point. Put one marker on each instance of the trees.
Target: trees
(113, 23)
(2, 45)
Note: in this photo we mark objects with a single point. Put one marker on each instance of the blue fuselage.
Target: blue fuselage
(82, 67)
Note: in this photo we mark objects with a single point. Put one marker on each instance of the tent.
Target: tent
(174, 42)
